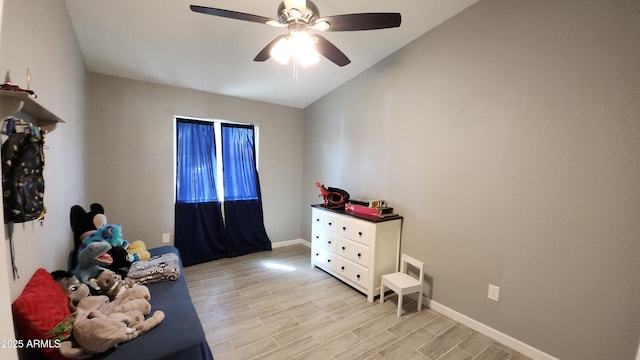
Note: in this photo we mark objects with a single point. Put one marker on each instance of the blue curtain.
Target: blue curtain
(239, 163)
(244, 220)
(199, 228)
(196, 162)
(202, 232)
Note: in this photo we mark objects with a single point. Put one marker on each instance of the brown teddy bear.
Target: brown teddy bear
(113, 286)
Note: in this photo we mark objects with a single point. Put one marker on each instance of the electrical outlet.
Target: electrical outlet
(494, 293)
(166, 238)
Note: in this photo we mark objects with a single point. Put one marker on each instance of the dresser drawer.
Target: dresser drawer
(323, 258)
(324, 240)
(356, 230)
(356, 273)
(331, 223)
(353, 251)
(317, 219)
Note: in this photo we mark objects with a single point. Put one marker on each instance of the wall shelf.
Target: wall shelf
(22, 105)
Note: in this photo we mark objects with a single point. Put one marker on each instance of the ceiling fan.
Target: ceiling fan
(300, 17)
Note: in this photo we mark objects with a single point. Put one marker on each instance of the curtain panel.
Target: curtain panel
(244, 219)
(199, 232)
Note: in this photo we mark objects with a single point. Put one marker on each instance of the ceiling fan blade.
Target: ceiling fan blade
(265, 53)
(330, 51)
(232, 14)
(363, 21)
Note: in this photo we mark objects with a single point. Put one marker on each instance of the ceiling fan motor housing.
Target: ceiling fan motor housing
(311, 14)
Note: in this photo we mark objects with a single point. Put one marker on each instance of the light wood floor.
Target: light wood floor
(274, 305)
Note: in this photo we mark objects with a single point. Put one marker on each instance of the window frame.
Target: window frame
(217, 123)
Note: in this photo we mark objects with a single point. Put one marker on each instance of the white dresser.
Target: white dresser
(355, 250)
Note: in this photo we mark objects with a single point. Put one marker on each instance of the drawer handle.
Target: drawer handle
(344, 228)
(343, 248)
(359, 233)
(317, 219)
(329, 224)
(359, 255)
(317, 236)
(329, 241)
(328, 260)
(317, 254)
(358, 276)
(343, 268)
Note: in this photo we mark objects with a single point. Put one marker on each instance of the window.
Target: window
(218, 210)
(215, 161)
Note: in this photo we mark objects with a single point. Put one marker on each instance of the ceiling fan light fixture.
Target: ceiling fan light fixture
(321, 25)
(281, 51)
(299, 46)
(303, 48)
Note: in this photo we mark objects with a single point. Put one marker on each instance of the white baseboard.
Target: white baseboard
(278, 244)
(496, 335)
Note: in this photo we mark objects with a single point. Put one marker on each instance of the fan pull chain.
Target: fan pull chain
(296, 66)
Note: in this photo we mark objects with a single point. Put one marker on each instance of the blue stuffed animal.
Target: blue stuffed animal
(91, 261)
(111, 233)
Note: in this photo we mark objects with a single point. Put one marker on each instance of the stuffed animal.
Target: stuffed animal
(95, 332)
(122, 260)
(113, 286)
(111, 233)
(72, 286)
(119, 305)
(99, 324)
(139, 250)
(91, 260)
(84, 223)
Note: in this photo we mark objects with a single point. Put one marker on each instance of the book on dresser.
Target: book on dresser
(357, 250)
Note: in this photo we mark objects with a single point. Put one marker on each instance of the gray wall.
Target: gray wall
(508, 138)
(6, 317)
(131, 137)
(37, 34)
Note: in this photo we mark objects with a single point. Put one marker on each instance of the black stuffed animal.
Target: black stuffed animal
(85, 223)
(121, 260)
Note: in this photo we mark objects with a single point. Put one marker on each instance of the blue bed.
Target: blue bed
(180, 336)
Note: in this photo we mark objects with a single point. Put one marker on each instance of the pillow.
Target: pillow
(39, 308)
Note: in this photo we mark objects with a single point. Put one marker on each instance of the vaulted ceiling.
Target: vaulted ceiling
(165, 42)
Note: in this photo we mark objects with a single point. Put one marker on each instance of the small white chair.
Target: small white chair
(402, 283)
